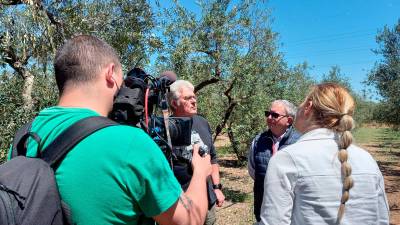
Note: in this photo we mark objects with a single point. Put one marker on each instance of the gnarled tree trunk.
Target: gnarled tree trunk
(27, 91)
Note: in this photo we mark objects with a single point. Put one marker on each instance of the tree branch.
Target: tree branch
(227, 91)
(11, 58)
(217, 74)
(53, 20)
(204, 83)
(228, 112)
(208, 52)
(10, 2)
(38, 4)
(227, 115)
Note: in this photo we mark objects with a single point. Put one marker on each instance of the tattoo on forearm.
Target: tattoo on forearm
(186, 201)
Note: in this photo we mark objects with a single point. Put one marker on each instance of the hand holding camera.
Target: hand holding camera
(201, 165)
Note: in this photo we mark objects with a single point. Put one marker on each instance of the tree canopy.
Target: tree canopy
(227, 50)
(386, 74)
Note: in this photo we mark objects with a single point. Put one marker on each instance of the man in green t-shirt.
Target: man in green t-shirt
(117, 175)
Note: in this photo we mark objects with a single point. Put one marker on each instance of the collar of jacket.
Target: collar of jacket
(285, 136)
(318, 134)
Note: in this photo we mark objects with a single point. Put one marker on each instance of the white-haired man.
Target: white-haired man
(183, 103)
(280, 134)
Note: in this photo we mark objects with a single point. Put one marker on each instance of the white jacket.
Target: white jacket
(303, 185)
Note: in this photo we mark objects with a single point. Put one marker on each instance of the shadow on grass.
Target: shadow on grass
(230, 163)
(223, 173)
(384, 145)
(235, 196)
(387, 149)
(388, 169)
(230, 177)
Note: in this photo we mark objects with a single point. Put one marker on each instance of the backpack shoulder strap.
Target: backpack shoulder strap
(58, 149)
(20, 138)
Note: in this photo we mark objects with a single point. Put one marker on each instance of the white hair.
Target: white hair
(289, 107)
(175, 90)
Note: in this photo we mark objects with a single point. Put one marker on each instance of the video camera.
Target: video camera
(137, 103)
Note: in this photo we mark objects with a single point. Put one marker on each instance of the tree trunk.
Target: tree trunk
(228, 112)
(235, 145)
(27, 91)
(227, 115)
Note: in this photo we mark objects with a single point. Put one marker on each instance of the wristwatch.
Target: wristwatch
(217, 186)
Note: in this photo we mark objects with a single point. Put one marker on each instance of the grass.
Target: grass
(366, 135)
(386, 139)
(224, 150)
(384, 144)
(237, 196)
(370, 134)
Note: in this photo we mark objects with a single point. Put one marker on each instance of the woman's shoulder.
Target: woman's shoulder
(361, 156)
(315, 152)
(304, 145)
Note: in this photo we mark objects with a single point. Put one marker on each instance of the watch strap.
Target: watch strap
(217, 186)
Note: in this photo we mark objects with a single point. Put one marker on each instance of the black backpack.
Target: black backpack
(28, 190)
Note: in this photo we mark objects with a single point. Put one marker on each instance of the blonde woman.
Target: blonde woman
(324, 178)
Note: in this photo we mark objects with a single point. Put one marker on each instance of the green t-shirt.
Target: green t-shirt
(111, 177)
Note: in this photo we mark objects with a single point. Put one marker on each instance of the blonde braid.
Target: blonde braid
(333, 108)
(346, 124)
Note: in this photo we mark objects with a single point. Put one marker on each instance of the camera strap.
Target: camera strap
(164, 109)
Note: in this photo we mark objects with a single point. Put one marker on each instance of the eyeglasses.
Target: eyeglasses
(192, 97)
(273, 114)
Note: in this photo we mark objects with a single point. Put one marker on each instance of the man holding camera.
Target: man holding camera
(280, 134)
(182, 102)
(117, 175)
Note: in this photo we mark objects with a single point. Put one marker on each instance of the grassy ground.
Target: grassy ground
(382, 143)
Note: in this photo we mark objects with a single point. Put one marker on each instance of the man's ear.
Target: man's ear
(174, 104)
(290, 120)
(109, 74)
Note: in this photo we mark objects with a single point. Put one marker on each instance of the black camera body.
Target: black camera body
(185, 153)
(179, 129)
(136, 104)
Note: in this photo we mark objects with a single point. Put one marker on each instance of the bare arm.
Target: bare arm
(191, 207)
(215, 180)
(215, 173)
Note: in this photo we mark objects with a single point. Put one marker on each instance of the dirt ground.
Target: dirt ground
(238, 208)
(389, 163)
(238, 190)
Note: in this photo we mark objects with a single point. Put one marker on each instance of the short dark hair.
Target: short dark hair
(80, 59)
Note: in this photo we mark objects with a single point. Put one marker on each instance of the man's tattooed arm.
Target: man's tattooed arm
(186, 201)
